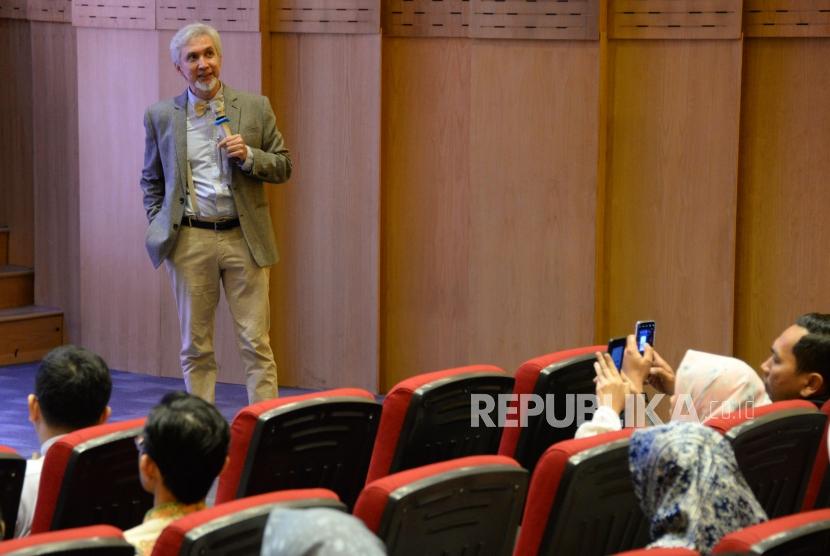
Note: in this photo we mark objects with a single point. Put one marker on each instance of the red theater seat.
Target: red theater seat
(323, 439)
(12, 472)
(90, 476)
(468, 505)
(426, 419)
(236, 527)
(775, 446)
(581, 501)
(659, 552)
(560, 373)
(818, 489)
(95, 540)
(806, 534)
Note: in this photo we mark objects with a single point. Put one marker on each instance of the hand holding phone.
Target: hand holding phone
(644, 333)
(616, 349)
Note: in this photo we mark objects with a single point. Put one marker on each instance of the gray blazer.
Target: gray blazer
(164, 175)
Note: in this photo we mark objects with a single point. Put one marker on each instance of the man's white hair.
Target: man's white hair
(183, 36)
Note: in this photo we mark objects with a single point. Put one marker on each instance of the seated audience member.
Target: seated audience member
(706, 385)
(72, 390)
(183, 447)
(318, 532)
(799, 365)
(689, 486)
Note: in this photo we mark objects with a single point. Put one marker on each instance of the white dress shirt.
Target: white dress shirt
(209, 165)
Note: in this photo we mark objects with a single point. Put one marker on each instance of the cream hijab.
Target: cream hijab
(717, 385)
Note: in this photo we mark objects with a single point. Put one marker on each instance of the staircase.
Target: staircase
(27, 331)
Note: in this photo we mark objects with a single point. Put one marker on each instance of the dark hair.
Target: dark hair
(73, 387)
(812, 351)
(188, 440)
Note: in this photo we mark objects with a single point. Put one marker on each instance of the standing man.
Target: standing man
(207, 153)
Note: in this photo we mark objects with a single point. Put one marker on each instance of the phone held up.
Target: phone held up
(616, 349)
(643, 332)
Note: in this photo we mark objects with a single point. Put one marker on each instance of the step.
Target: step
(28, 333)
(4, 245)
(17, 286)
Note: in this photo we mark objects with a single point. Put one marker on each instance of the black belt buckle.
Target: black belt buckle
(218, 226)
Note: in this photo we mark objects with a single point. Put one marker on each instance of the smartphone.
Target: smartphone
(644, 332)
(616, 349)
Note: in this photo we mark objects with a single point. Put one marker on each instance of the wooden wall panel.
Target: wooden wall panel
(120, 14)
(56, 11)
(16, 195)
(671, 196)
(14, 9)
(482, 262)
(674, 19)
(324, 297)
(324, 16)
(120, 308)
(783, 261)
(786, 18)
(224, 15)
(426, 194)
(532, 204)
(425, 18)
(56, 185)
(535, 19)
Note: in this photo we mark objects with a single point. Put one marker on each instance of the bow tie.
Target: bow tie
(200, 107)
(217, 105)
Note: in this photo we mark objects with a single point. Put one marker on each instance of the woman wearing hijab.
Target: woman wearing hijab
(689, 486)
(706, 385)
(318, 532)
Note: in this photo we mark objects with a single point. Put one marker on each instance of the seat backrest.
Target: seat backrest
(659, 552)
(323, 439)
(235, 527)
(581, 500)
(12, 472)
(558, 374)
(804, 534)
(818, 489)
(469, 505)
(427, 419)
(90, 476)
(95, 540)
(775, 447)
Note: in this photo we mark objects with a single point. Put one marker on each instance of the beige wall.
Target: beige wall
(783, 230)
(16, 191)
(674, 112)
(324, 296)
(484, 144)
(55, 172)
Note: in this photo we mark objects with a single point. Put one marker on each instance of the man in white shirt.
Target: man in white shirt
(72, 390)
(208, 153)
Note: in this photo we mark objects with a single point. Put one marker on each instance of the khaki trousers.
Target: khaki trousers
(200, 260)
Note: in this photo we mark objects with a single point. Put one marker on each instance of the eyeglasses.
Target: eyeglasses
(139, 443)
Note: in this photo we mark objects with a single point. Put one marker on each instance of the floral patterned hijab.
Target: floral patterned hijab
(689, 486)
(318, 532)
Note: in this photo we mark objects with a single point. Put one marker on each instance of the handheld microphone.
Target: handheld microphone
(222, 121)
